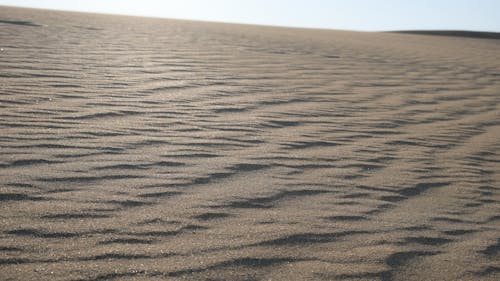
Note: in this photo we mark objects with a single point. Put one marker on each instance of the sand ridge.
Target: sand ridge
(149, 149)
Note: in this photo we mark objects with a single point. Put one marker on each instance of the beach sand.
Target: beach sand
(152, 149)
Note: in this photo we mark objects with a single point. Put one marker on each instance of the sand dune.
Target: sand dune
(149, 149)
(458, 33)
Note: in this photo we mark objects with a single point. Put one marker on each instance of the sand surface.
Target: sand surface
(149, 149)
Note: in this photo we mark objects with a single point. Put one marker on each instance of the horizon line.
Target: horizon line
(422, 31)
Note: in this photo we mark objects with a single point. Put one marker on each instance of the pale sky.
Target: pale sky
(367, 15)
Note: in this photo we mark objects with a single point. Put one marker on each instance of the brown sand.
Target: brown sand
(149, 149)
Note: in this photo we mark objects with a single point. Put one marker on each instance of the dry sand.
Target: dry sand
(149, 149)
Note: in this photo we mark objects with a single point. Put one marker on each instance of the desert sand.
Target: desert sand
(151, 149)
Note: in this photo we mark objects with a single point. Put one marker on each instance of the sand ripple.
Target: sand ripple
(137, 148)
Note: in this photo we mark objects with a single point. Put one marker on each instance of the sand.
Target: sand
(151, 149)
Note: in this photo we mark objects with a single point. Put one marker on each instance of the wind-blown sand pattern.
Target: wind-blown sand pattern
(150, 149)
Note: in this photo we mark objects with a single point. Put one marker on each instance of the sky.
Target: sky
(362, 15)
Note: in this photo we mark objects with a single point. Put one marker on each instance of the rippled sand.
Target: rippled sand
(149, 149)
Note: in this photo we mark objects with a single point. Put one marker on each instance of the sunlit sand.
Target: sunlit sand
(150, 149)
